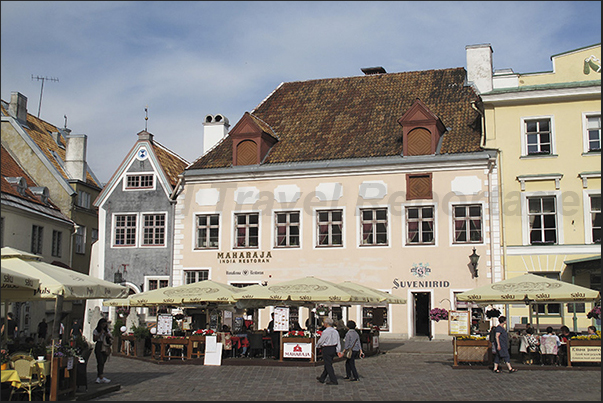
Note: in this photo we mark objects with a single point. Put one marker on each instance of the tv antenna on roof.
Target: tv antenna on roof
(42, 88)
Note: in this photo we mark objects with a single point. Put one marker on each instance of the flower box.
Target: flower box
(472, 351)
(584, 350)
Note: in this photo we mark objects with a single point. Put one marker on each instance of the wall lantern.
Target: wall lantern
(474, 258)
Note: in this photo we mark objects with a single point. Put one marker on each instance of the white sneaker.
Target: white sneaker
(98, 380)
(106, 380)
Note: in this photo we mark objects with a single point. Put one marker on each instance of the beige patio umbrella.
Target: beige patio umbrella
(529, 288)
(206, 291)
(12, 280)
(54, 280)
(306, 290)
(387, 298)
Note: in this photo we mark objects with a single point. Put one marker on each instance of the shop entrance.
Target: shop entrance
(422, 305)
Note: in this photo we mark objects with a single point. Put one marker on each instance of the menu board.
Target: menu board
(281, 319)
(459, 323)
(164, 324)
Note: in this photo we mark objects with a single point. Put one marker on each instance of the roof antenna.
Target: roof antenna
(146, 117)
(42, 88)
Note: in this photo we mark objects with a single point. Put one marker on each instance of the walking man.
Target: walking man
(331, 346)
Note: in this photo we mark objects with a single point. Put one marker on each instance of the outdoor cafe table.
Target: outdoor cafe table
(11, 375)
(162, 342)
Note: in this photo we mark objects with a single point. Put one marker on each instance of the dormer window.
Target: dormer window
(41, 193)
(252, 138)
(421, 130)
(18, 183)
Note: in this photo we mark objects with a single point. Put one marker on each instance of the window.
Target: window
(542, 220)
(57, 243)
(83, 199)
(467, 223)
(125, 230)
(547, 309)
(593, 133)
(247, 230)
(80, 240)
(420, 225)
(139, 181)
(153, 229)
(36, 239)
(208, 227)
(595, 218)
(538, 136)
(287, 229)
(375, 316)
(374, 226)
(194, 276)
(330, 227)
(154, 284)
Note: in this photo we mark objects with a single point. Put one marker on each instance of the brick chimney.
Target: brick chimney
(18, 106)
(75, 156)
(479, 66)
(215, 128)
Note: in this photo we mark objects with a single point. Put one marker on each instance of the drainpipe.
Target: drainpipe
(575, 318)
(75, 228)
(483, 123)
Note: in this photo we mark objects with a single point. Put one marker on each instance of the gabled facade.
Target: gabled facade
(136, 217)
(31, 221)
(547, 127)
(378, 179)
(55, 159)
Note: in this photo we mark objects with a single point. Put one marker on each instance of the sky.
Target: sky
(185, 60)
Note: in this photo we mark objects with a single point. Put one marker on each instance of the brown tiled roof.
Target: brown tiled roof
(11, 169)
(357, 117)
(40, 132)
(172, 164)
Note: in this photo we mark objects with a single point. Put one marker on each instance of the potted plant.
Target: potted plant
(594, 313)
(438, 314)
(116, 333)
(5, 358)
(141, 334)
(492, 313)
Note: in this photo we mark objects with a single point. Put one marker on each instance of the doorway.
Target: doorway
(422, 305)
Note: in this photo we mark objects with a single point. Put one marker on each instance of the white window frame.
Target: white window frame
(588, 228)
(146, 288)
(195, 230)
(585, 140)
(420, 203)
(359, 229)
(451, 228)
(524, 140)
(234, 230)
(525, 224)
(137, 229)
(275, 233)
(196, 270)
(125, 187)
(140, 232)
(315, 244)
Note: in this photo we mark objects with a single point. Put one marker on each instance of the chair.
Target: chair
(32, 376)
(256, 343)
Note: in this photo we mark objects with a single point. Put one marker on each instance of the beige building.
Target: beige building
(547, 129)
(378, 179)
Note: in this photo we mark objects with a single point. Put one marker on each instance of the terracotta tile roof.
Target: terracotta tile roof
(172, 164)
(40, 132)
(11, 169)
(356, 117)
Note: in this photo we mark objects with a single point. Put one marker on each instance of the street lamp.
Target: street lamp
(474, 258)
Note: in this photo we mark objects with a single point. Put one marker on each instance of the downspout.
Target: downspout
(483, 122)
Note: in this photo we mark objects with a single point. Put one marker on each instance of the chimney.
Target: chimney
(75, 156)
(18, 106)
(479, 66)
(215, 128)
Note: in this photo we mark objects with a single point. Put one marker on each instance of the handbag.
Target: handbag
(347, 353)
(106, 346)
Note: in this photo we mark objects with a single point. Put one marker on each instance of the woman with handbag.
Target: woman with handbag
(102, 348)
(353, 350)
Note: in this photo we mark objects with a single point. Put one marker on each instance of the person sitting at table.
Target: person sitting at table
(591, 330)
(243, 344)
(564, 336)
(549, 346)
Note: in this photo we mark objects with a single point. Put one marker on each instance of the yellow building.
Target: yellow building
(546, 127)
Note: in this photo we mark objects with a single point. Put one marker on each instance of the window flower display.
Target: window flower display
(322, 310)
(204, 332)
(594, 313)
(438, 314)
(297, 333)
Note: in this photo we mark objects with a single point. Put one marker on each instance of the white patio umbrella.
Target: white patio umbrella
(12, 280)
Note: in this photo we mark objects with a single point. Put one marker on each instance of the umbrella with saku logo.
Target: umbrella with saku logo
(205, 291)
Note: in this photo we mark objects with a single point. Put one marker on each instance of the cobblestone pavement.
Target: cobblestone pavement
(405, 371)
